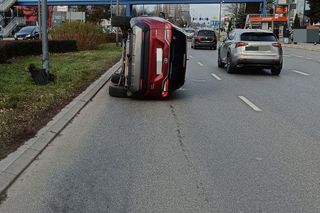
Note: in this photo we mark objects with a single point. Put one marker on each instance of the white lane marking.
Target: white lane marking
(299, 56)
(200, 63)
(249, 103)
(286, 55)
(301, 73)
(199, 80)
(309, 58)
(182, 89)
(190, 56)
(216, 77)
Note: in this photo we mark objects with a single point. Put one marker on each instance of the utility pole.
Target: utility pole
(44, 23)
(219, 32)
(39, 18)
(117, 33)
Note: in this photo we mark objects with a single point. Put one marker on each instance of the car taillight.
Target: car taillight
(241, 44)
(276, 44)
(198, 38)
(165, 91)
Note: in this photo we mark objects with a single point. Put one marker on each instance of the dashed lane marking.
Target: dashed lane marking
(216, 76)
(250, 104)
(301, 73)
(200, 64)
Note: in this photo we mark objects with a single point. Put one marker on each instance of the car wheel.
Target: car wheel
(121, 21)
(220, 63)
(276, 70)
(230, 68)
(117, 91)
(195, 47)
(115, 78)
(215, 48)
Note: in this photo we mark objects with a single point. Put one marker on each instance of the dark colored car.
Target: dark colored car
(155, 56)
(204, 38)
(30, 32)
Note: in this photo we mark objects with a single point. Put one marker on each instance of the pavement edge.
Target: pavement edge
(48, 133)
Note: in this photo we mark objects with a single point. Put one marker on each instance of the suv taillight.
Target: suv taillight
(276, 44)
(198, 38)
(241, 44)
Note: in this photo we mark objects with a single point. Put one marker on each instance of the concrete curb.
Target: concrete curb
(14, 165)
(310, 48)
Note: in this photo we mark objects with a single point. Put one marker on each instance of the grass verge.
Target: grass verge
(26, 107)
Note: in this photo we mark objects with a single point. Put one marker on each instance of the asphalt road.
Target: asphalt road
(245, 142)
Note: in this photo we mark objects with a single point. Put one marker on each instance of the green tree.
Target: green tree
(314, 10)
(97, 13)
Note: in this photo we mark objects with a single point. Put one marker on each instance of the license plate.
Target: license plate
(264, 48)
(252, 48)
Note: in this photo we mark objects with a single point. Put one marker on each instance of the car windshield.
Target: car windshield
(252, 36)
(27, 30)
(206, 33)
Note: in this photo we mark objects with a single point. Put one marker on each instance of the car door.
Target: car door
(225, 46)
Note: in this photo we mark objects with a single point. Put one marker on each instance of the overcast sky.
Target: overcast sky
(204, 10)
(199, 10)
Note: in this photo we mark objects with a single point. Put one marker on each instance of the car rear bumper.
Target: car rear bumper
(206, 44)
(261, 61)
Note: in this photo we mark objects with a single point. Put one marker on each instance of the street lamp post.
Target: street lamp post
(117, 33)
(45, 48)
(219, 20)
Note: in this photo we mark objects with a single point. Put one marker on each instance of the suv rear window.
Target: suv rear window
(252, 36)
(206, 33)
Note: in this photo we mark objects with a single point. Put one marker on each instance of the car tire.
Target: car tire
(230, 67)
(276, 70)
(215, 48)
(220, 63)
(117, 91)
(121, 21)
(195, 47)
(115, 78)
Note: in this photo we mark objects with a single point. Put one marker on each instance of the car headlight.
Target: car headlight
(28, 36)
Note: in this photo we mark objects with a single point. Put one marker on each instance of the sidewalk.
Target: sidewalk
(304, 46)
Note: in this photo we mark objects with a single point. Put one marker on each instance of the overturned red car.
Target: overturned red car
(154, 58)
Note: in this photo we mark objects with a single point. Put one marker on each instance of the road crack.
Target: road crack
(201, 190)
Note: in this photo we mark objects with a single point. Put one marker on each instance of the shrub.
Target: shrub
(87, 35)
(10, 49)
(111, 37)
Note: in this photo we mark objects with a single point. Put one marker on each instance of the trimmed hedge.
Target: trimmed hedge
(111, 37)
(88, 35)
(11, 49)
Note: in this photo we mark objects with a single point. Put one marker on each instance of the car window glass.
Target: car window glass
(26, 30)
(206, 33)
(253, 36)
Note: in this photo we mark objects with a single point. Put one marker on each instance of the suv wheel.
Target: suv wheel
(230, 68)
(276, 70)
(117, 91)
(220, 63)
(121, 21)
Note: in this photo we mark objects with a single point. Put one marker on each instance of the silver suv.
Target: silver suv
(251, 47)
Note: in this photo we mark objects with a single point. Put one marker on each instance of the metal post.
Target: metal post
(117, 33)
(219, 21)
(264, 8)
(304, 10)
(39, 18)
(129, 10)
(45, 49)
